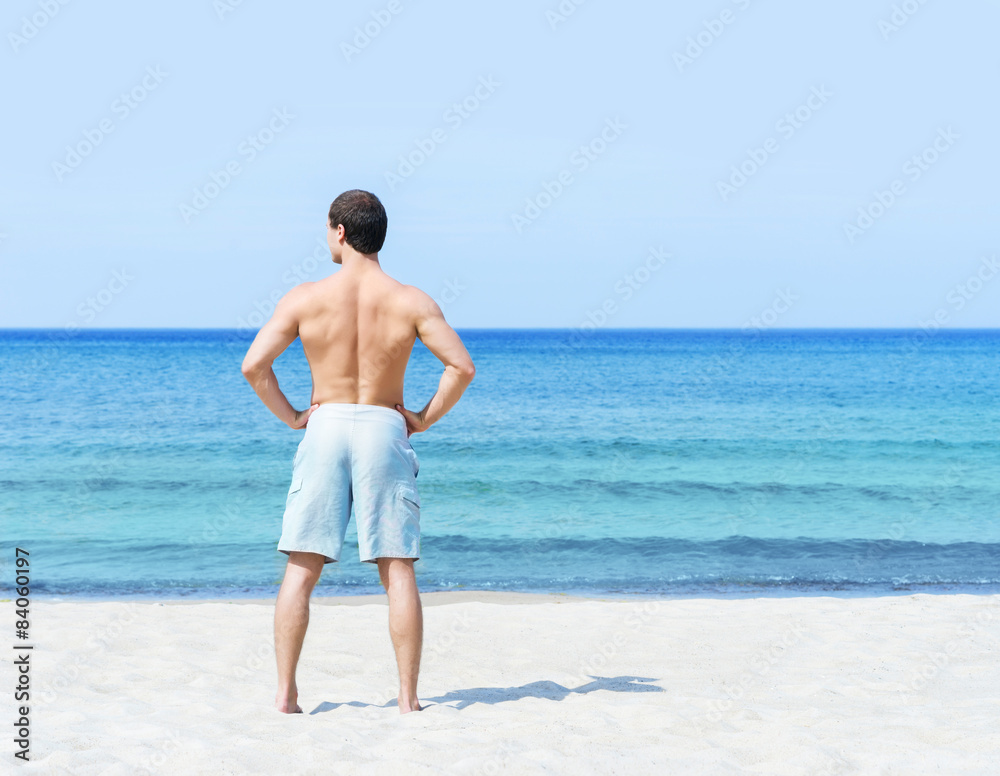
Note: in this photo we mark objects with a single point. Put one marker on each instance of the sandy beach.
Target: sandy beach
(523, 684)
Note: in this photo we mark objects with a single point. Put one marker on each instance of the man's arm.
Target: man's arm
(270, 342)
(443, 342)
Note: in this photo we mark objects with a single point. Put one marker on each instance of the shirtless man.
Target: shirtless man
(357, 329)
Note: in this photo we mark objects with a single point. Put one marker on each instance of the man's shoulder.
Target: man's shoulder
(412, 292)
(299, 294)
(407, 294)
(417, 301)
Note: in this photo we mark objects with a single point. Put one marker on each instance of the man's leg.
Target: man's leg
(291, 617)
(406, 625)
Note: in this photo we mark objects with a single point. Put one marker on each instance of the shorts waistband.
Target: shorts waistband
(351, 410)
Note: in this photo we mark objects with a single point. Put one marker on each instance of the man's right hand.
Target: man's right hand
(414, 420)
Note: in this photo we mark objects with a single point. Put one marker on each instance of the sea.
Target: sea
(606, 462)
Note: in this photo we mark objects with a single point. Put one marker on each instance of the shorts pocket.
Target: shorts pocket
(410, 495)
(293, 495)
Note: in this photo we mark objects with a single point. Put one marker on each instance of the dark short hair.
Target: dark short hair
(363, 218)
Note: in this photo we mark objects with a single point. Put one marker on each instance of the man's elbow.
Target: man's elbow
(251, 369)
(467, 371)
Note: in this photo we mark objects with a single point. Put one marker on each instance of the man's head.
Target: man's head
(358, 219)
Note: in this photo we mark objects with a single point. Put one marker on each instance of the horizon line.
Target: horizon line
(580, 329)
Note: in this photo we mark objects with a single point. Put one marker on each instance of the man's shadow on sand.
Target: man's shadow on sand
(544, 689)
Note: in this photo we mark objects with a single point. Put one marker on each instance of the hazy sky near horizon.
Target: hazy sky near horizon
(699, 164)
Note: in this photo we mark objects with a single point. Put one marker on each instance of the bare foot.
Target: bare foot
(408, 706)
(288, 704)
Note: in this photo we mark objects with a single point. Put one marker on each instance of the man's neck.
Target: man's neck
(359, 262)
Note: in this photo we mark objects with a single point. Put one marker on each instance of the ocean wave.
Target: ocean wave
(656, 565)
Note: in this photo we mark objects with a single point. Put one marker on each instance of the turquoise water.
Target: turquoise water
(641, 461)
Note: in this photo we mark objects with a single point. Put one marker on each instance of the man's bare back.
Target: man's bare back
(357, 329)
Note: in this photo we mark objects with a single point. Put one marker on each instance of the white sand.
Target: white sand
(891, 685)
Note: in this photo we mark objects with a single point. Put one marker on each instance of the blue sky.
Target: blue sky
(630, 164)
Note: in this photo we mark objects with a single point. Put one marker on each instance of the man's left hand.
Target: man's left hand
(302, 417)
